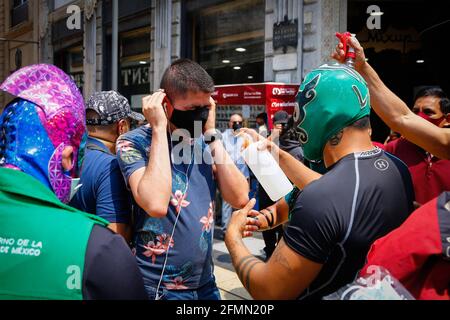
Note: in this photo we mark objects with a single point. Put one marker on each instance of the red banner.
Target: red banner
(240, 94)
(274, 96)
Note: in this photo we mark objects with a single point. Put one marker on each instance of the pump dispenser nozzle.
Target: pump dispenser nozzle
(350, 55)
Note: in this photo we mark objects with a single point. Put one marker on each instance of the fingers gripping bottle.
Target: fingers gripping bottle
(267, 171)
(350, 55)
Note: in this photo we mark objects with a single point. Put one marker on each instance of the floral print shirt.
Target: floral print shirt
(189, 251)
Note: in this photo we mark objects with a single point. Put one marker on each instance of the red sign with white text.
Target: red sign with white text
(274, 96)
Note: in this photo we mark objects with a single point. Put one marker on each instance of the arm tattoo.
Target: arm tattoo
(279, 258)
(336, 139)
(249, 270)
(244, 268)
(242, 264)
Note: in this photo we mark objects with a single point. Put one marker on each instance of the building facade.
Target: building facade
(233, 40)
(236, 41)
(19, 45)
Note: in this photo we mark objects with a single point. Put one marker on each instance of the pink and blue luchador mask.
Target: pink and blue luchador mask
(47, 116)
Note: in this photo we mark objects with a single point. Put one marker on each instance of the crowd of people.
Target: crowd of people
(104, 211)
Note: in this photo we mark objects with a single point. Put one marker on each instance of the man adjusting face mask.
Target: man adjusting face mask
(188, 120)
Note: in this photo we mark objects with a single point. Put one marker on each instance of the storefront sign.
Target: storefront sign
(274, 96)
(240, 94)
(284, 91)
(285, 34)
(134, 76)
(403, 40)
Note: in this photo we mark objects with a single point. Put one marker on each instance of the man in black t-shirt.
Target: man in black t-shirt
(365, 194)
(337, 217)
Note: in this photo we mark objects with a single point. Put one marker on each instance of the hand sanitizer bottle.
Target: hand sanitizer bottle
(267, 171)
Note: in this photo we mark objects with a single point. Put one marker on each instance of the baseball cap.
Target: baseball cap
(112, 107)
(280, 117)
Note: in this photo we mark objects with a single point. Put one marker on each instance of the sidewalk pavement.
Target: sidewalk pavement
(226, 278)
(229, 285)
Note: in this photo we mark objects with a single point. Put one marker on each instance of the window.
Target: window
(18, 3)
(70, 60)
(19, 12)
(134, 81)
(228, 39)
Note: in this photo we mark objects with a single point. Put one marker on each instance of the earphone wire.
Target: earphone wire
(185, 174)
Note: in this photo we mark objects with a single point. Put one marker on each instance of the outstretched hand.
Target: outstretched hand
(243, 222)
(263, 143)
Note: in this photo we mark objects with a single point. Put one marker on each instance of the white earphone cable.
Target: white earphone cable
(185, 174)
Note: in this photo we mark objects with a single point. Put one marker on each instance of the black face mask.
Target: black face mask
(237, 125)
(186, 119)
(284, 129)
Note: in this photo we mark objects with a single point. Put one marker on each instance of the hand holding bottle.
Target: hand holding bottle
(341, 51)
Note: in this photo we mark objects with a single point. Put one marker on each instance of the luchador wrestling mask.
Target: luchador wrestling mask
(47, 116)
(330, 98)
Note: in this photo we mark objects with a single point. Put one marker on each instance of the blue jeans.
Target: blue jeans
(208, 291)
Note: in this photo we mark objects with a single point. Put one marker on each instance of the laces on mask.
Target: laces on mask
(7, 134)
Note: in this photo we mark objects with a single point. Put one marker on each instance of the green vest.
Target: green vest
(42, 241)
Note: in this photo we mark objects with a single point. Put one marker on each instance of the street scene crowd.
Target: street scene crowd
(106, 203)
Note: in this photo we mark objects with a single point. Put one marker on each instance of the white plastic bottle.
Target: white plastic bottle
(267, 171)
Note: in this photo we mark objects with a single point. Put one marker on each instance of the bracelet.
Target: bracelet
(269, 221)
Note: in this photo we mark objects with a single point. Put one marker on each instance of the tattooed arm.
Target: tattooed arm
(284, 276)
(267, 218)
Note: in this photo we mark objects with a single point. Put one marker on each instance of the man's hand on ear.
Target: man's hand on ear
(210, 124)
(153, 110)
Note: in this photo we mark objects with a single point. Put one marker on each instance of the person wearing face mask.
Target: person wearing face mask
(286, 135)
(172, 167)
(431, 175)
(233, 145)
(417, 253)
(103, 191)
(261, 124)
(364, 194)
(50, 250)
(445, 109)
